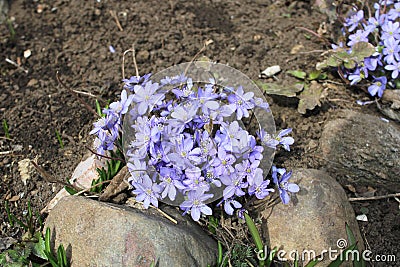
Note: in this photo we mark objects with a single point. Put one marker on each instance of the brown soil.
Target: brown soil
(72, 37)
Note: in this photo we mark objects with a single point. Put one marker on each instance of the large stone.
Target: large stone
(313, 221)
(361, 149)
(102, 234)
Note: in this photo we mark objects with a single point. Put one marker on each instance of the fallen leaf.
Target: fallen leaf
(24, 168)
(14, 198)
(351, 188)
(296, 49)
(116, 186)
(276, 89)
(310, 97)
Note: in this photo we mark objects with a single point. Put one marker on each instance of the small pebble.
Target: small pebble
(270, 71)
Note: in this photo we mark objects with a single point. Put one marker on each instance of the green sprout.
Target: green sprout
(11, 29)
(114, 165)
(59, 139)
(34, 249)
(6, 129)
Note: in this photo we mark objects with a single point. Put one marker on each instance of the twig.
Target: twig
(165, 215)
(104, 156)
(134, 60)
(90, 188)
(313, 51)
(8, 152)
(6, 138)
(84, 93)
(76, 95)
(374, 198)
(314, 33)
(16, 65)
(114, 15)
(206, 43)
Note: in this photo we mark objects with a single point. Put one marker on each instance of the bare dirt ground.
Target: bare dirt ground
(73, 38)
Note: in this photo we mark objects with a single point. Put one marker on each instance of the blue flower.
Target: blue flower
(279, 139)
(283, 140)
(228, 203)
(378, 86)
(355, 77)
(206, 99)
(147, 192)
(223, 162)
(234, 183)
(241, 102)
(185, 90)
(134, 80)
(137, 169)
(195, 204)
(283, 185)
(391, 50)
(170, 182)
(121, 107)
(185, 155)
(259, 186)
(394, 13)
(390, 29)
(179, 79)
(184, 114)
(395, 68)
(146, 97)
(267, 139)
(359, 36)
(194, 180)
(354, 20)
(224, 111)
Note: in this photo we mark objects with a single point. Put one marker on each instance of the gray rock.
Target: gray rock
(101, 234)
(362, 149)
(314, 220)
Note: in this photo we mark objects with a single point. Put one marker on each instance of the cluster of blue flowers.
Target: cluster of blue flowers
(381, 30)
(189, 140)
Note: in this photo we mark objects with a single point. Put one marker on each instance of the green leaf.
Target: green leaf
(298, 74)
(310, 97)
(350, 235)
(271, 257)
(276, 89)
(312, 263)
(98, 109)
(360, 262)
(39, 247)
(61, 256)
(316, 75)
(47, 244)
(70, 190)
(220, 253)
(362, 50)
(52, 259)
(9, 215)
(350, 64)
(341, 258)
(256, 236)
